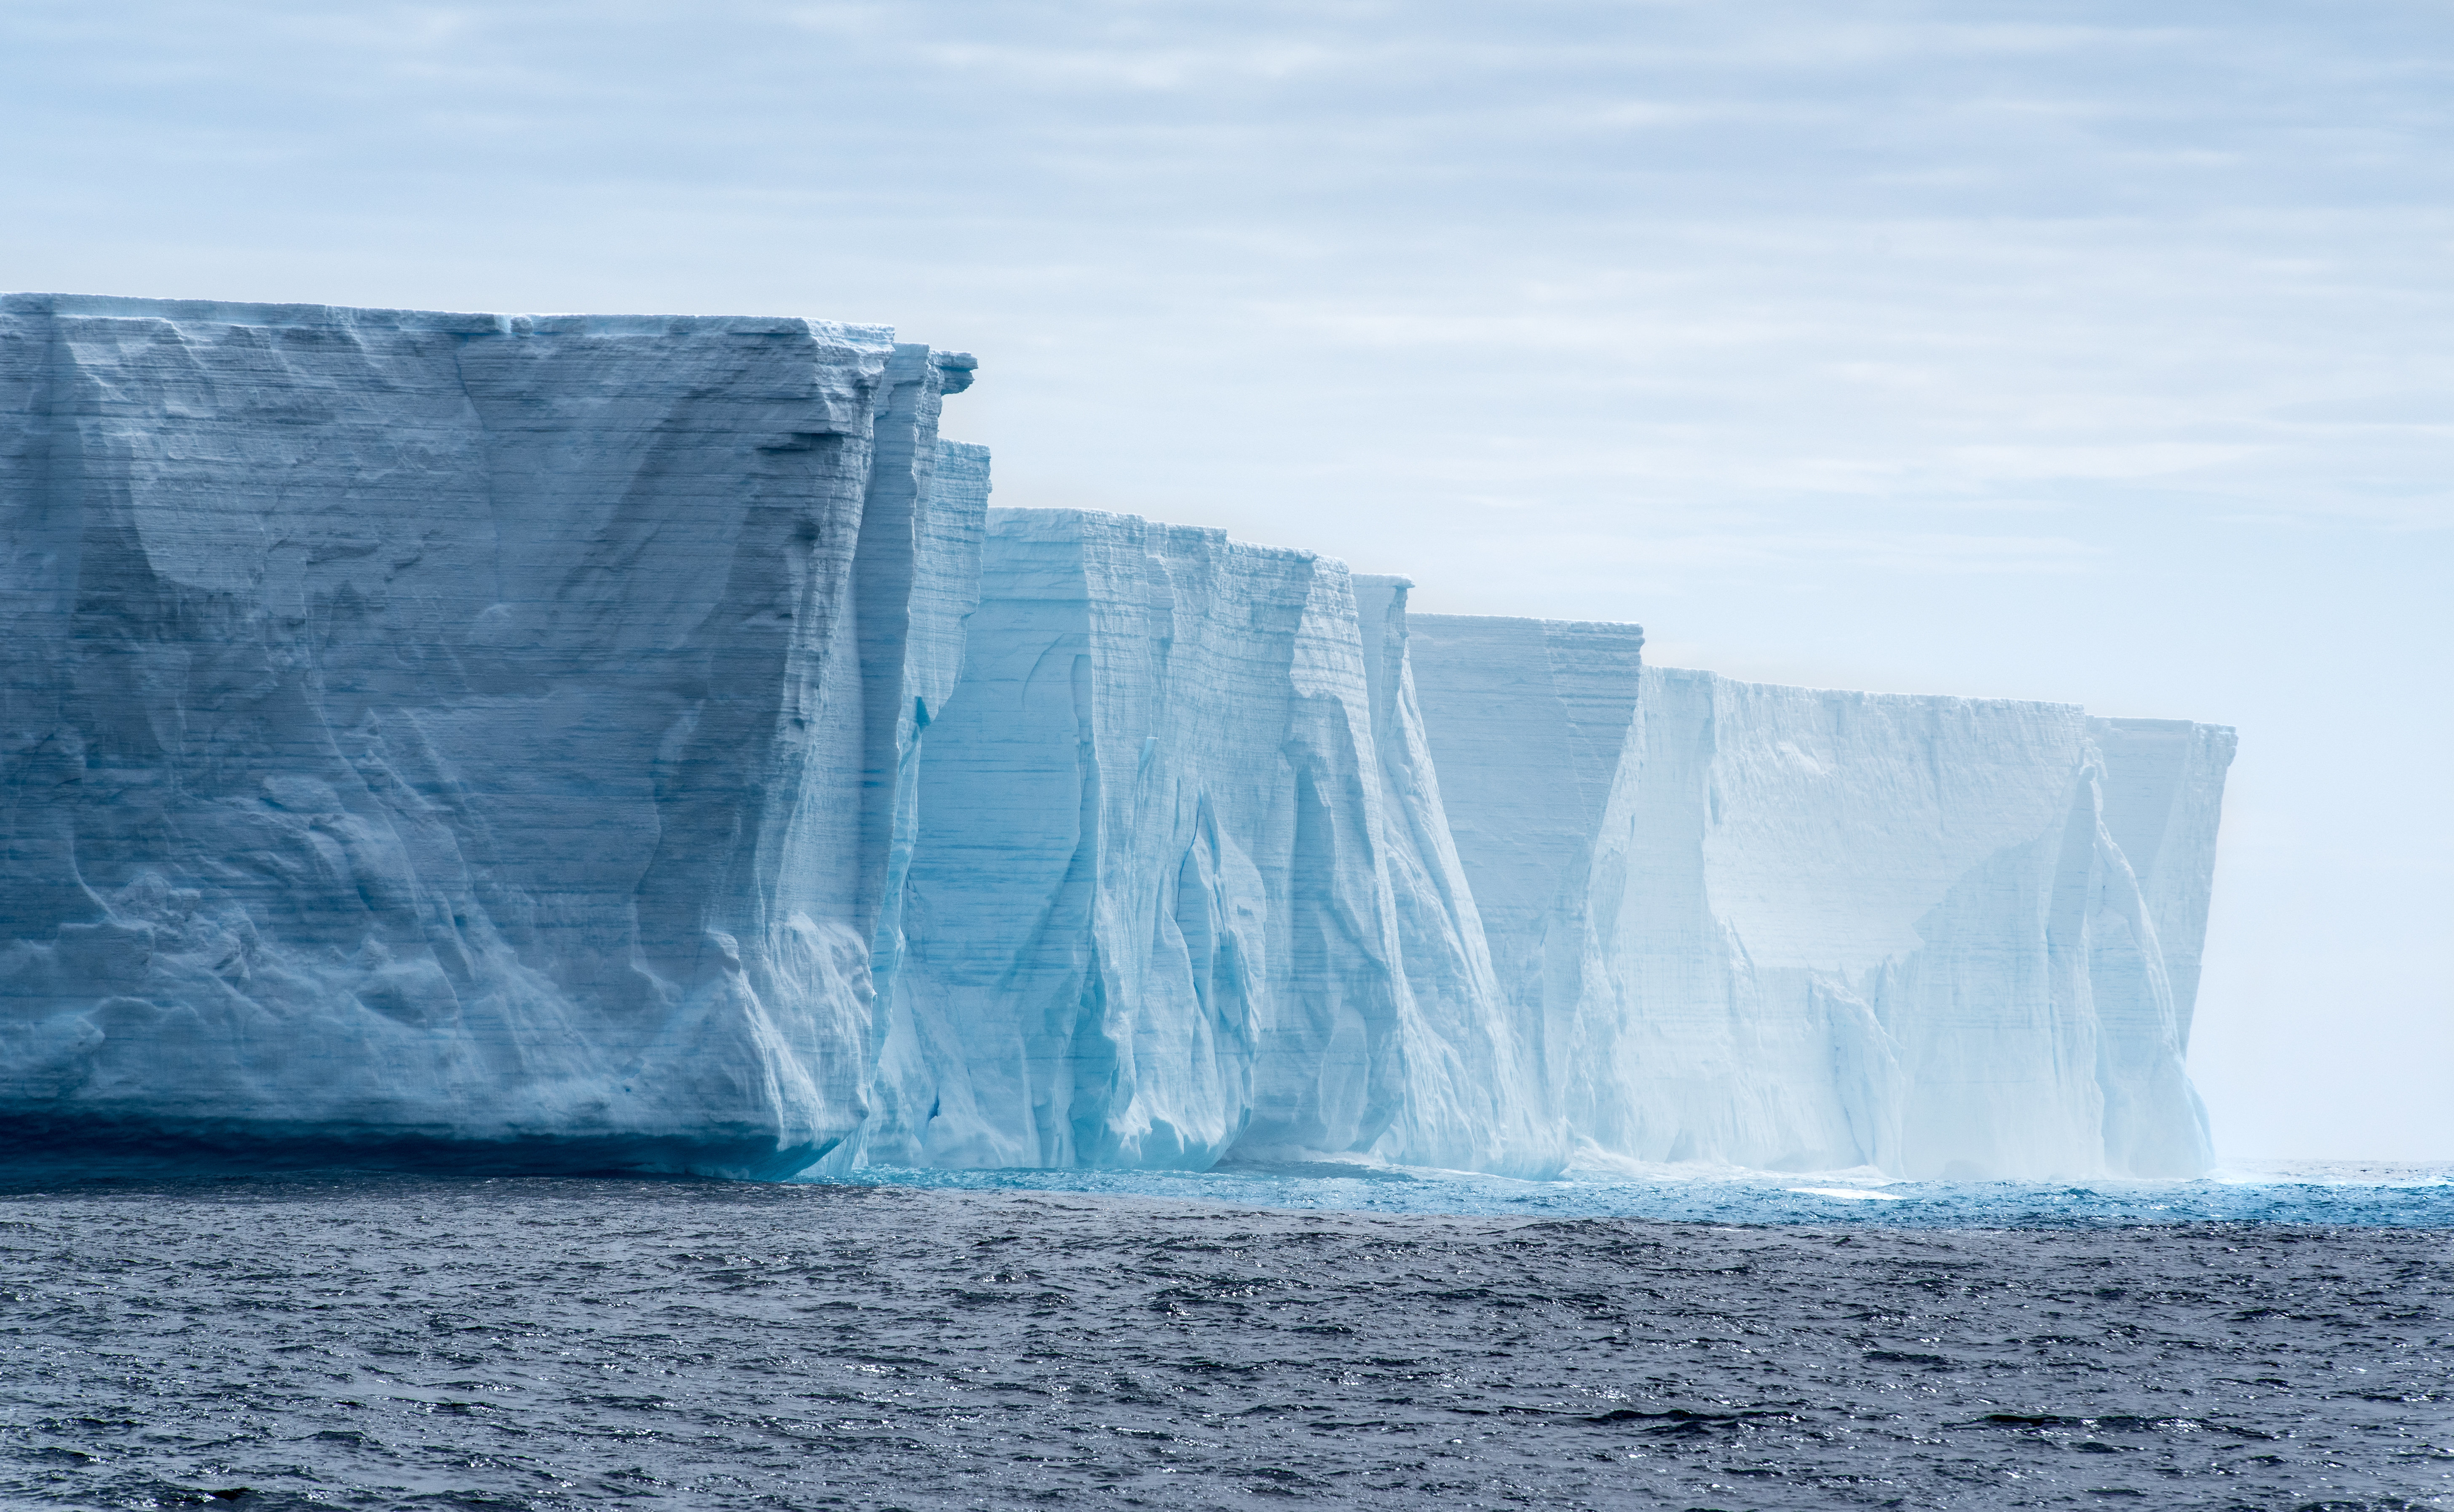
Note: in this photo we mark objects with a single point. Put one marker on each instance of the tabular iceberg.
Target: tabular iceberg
(1526, 721)
(431, 729)
(1810, 929)
(632, 743)
(1144, 918)
(1478, 1089)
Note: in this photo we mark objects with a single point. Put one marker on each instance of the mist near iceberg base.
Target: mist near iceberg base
(2314, 1192)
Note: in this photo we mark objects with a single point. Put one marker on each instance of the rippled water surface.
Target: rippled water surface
(388, 1342)
(2326, 1192)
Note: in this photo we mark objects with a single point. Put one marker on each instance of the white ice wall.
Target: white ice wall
(1477, 1093)
(1811, 929)
(1145, 918)
(1527, 722)
(1832, 947)
(441, 728)
(2162, 795)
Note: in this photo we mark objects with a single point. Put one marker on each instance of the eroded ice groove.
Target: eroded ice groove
(1814, 929)
(432, 729)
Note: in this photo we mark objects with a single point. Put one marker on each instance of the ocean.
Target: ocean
(2281, 1337)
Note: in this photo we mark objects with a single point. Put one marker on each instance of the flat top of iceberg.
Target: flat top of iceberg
(862, 335)
(1066, 522)
(2126, 722)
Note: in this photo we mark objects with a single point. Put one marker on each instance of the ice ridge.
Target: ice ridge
(632, 743)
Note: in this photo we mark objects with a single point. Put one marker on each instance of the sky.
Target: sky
(2084, 352)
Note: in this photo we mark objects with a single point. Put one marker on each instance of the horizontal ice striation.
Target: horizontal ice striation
(456, 736)
(1810, 929)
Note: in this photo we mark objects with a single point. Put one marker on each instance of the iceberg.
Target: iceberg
(1478, 1095)
(1526, 721)
(1813, 931)
(1144, 919)
(456, 737)
(573, 743)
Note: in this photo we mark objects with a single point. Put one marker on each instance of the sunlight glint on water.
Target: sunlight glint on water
(2367, 1193)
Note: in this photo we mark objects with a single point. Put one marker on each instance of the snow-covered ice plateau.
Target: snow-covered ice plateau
(632, 743)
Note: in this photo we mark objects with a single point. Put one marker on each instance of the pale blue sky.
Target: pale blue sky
(2099, 353)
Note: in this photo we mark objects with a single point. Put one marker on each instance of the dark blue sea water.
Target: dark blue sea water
(1330, 1337)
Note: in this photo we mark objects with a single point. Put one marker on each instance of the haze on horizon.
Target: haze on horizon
(2084, 352)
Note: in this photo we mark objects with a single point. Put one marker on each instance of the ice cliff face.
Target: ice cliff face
(457, 729)
(2161, 793)
(1478, 1089)
(1526, 721)
(1811, 930)
(1182, 884)
(1144, 917)
(627, 743)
